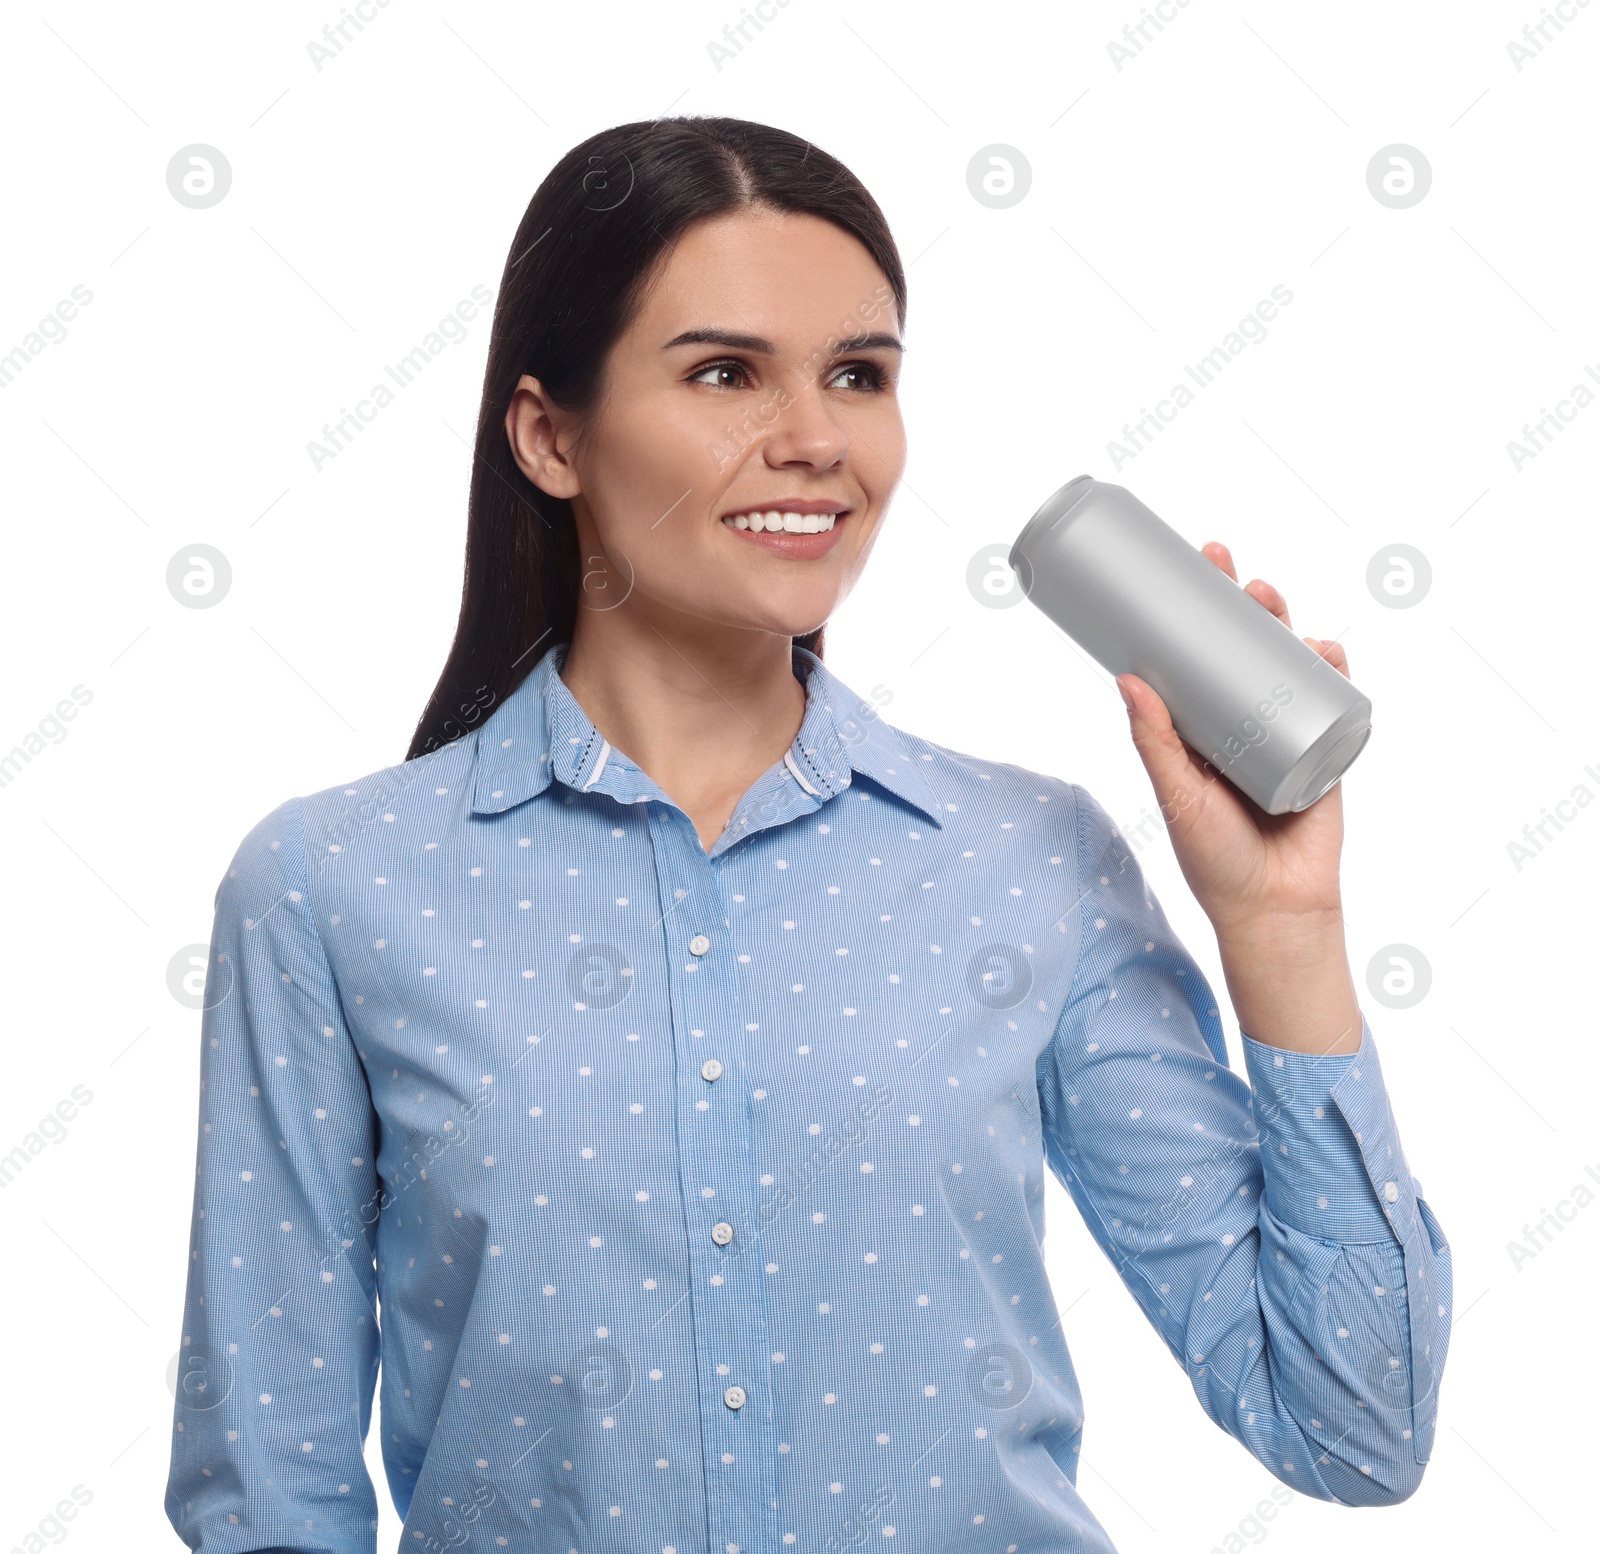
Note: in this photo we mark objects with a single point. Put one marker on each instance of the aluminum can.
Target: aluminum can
(1245, 693)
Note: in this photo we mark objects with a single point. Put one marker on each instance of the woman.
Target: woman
(676, 1047)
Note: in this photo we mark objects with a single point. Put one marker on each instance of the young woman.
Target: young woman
(675, 1048)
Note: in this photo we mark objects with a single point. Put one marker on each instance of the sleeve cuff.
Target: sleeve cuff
(1330, 1150)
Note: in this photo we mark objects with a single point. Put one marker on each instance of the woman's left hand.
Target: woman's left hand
(1256, 875)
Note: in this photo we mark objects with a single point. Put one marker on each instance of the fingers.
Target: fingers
(1262, 592)
(1217, 553)
(1332, 651)
(1154, 737)
(1266, 594)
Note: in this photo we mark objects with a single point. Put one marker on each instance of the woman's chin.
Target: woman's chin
(756, 610)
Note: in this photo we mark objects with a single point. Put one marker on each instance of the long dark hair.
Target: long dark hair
(589, 239)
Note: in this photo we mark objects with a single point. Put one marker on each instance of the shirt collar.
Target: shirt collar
(539, 733)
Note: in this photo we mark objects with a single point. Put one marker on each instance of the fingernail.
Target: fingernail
(1127, 700)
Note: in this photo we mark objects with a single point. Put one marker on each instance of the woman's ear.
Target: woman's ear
(539, 433)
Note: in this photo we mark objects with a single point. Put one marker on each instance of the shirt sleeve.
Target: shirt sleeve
(1271, 1232)
(280, 1343)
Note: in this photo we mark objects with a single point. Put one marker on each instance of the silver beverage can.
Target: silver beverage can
(1245, 693)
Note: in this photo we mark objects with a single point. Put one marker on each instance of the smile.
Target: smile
(774, 522)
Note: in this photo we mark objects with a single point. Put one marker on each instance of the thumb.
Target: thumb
(1160, 748)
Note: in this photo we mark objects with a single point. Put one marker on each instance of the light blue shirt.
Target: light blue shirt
(703, 1192)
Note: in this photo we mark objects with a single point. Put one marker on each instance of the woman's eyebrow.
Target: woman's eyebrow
(741, 342)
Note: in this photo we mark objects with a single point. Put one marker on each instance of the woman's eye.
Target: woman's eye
(873, 375)
(719, 368)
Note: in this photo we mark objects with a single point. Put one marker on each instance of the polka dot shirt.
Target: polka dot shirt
(698, 1195)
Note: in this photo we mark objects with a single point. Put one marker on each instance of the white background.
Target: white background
(1167, 199)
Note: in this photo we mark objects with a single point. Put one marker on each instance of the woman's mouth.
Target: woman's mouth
(789, 530)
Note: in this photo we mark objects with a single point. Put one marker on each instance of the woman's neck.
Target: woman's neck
(704, 709)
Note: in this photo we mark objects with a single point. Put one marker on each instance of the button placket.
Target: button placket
(726, 1305)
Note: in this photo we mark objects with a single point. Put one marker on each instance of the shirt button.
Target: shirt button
(722, 1232)
(1391, 1191)
(699, 944)
(711, 1069)
(734, 1397)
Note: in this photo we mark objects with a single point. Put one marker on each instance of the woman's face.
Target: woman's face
(759, 375)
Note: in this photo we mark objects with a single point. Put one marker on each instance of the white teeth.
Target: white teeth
(773, 522)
